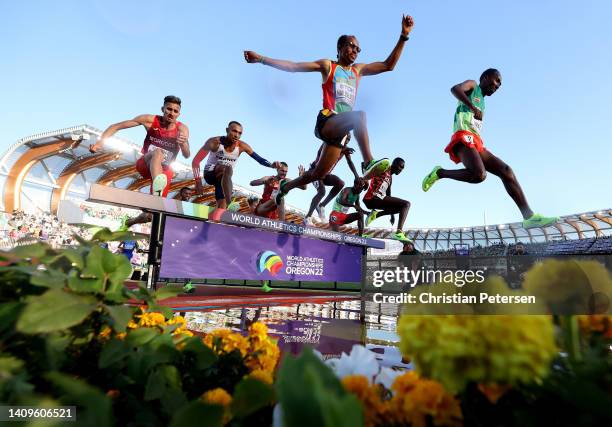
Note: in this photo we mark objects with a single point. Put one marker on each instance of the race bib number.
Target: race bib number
(476, 125)
(345, 93)
(382, 190)
(166, 155)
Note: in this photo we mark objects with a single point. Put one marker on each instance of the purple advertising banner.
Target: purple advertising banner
(202, 250)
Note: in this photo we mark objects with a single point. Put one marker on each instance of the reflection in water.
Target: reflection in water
(331, 328)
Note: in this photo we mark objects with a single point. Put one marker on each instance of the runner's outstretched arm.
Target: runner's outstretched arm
(388, 64)
(261, 181)
(247, 149)
(322, 65)
(142, 120)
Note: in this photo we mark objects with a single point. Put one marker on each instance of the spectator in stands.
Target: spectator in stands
(410, 257)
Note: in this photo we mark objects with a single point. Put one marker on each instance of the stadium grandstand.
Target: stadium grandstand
(46, 177)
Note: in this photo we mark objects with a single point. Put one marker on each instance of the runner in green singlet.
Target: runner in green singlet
(466, 147)
(348, 198)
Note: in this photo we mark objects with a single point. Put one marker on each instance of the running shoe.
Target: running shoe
(321, 212)
(159, 183)
(399, 235)
(374, 168)
(233, 207)
(280, 193)
(371, 217)
(429, 180)
(366, 236)
(308, 222)
(537, 220)
(188, 288)
(123, 226)
(266, 287)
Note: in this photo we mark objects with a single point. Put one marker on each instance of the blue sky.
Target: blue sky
(98, 62)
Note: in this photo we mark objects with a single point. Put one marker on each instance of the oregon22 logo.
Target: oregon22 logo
(268, 260)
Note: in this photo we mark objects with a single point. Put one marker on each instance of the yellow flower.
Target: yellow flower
(370, 396)
(219, 396)
(258, 329)
(105, 333)
(458, 349)
(261, 375)
(416, 398)
(152, 319)
(178, 320)
(132, 325)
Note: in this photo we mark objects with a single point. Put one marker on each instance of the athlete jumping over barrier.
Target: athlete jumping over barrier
(165, 137)
(347, 199)
(378, 198)
(467, 147)
(267, 206)
(337, 118)
(185, 195)
(329, 180)
(219, 168)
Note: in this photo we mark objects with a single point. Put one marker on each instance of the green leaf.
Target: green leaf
(53, 311)
(9, 312)
(36, 250)
(112, 352)
(162, 379)
(78, 283)
(55, 346)
(94, 407)
(251, 395)
(121, 315)
(49, 278)
(197, 413)
(167, 292)
(310, 394)
(140, 336)
(105, 235)
(76, 257)
(205, 356)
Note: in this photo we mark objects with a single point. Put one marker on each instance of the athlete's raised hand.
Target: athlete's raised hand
(348, 151)
(301, 170)
(276, 164)
(252, 57)
(407, 24)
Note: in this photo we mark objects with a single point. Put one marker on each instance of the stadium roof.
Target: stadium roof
(58, 165)
(60, 162)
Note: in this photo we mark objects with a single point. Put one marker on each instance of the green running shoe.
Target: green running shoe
(537, 220)
(366, 236)
(371, 217)
(399, 235)
(429, 180)
(188, 288)
(280, 193)
(159, 183)
(374, 168)
(233, 207)
(265, 287)
(123, 226)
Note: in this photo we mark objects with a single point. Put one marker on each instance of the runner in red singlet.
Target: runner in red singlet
(337, 118)
(267, 206)
(379, 197)
(165, 138)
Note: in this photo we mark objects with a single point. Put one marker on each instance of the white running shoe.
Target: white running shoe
(321, 212)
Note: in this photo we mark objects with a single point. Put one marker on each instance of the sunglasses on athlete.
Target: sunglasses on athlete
(354, 46)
